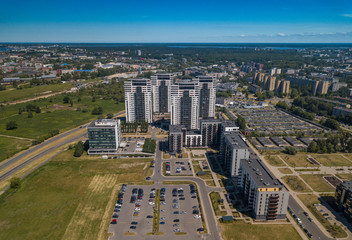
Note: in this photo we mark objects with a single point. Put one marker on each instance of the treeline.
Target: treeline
(332, 144)
(321, 108)
(296, 110)
(127, 127)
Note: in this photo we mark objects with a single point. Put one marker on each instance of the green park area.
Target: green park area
(215, 198)
(274, 161)
(31, 92)
(295, 184)
(68, 198)
(61, 112)
(317, 182)
(10, 146)
(299, 160)
(285, 170)
(242, 230)
(332, 160)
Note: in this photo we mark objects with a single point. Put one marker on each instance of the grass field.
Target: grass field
(309, 200)
(25, 93)
(317, 182)
(274, 161)
(67, 198)
(215, 197)
(285, 170)
(241, 230)
(295, 184)
(347, 177)
(332, 160)
(60, 117)
(10, 146)
(299, 160)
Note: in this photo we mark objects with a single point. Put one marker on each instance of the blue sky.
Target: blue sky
(176, 21)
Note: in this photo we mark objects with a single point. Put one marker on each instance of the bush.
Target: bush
(97, 111)
(11, 125)
(290, 150)
(79, 149)
(110, 116)
(15, 182)
(30, 114)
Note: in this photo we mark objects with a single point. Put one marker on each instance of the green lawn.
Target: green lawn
(309, 200)
(274, 161)
(317, 182)
(67, 198)
(10, 146)
(215, 197)
(347, 177)
(295, 184)
(299, 160)
(25, 93)
(332, 160)
(241, 230)
(285, 170)
(42, 123)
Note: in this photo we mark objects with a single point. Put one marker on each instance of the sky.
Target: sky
(135, 21)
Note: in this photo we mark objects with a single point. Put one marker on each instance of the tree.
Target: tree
(241, 122)
(15, 182)
(290, 150)
(79, 149)
(109, 115)
(14, 84)
(71, 102)
(313, 147)
(97, 111)
(11, 125)
(66, 99)
(30, 114)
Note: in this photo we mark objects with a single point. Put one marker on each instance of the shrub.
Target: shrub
(11, 125)
(15, 182)
(79, 149)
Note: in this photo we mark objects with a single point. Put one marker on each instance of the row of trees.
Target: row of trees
(332, 144)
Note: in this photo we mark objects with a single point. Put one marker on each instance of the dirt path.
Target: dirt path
(35, 98)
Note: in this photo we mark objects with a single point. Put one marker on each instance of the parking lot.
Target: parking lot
(132, 144)
(177, 214)
(178, 167)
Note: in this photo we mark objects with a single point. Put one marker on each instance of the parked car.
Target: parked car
(114, 221)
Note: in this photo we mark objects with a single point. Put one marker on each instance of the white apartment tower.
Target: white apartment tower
(138, 100)
(161, 88)
(207, 96)
(185, 104)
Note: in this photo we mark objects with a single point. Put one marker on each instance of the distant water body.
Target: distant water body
(275, 46)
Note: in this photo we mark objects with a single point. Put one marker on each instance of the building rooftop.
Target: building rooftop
(212, 120)
(176, 128)
(260, 174)
(236, 140)
(229, 123)
(104, 123)
(347, 185)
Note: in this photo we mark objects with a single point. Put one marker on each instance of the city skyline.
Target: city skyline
(138, 21)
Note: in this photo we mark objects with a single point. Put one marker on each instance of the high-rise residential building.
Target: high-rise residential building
(185, 104)
(270, 83)
(211, 132)
(138, 100)
(274, 71)
(104, 136)
(320, 87)
(343, 198)
(161, 89)
(233, 148)
(284, 87)
(265, 195)
(207, 96)
(176, 138)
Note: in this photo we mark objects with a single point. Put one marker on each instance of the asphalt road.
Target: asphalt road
(37, 147)
(310, 226)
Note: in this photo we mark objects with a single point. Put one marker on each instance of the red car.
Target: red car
(138, 204)
(114, 221)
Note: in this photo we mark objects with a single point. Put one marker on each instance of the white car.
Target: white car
(196, 216)
(151, 203)
(137, 209)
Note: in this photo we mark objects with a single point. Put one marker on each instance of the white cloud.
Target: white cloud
(349, 15)
(281, 34)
